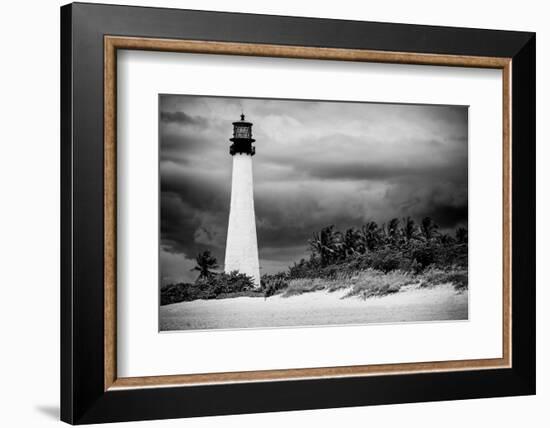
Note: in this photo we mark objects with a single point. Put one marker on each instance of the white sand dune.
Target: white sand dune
(318, 308)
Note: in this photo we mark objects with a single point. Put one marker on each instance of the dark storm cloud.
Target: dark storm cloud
(368, 171)
(181, 118)
(203, 190)
(448, 216)
(317, 163)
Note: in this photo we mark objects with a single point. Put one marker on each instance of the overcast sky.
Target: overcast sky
(316, 164)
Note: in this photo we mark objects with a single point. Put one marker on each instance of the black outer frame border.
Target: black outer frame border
(83, 399)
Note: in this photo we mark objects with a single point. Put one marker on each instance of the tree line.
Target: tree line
(330, 246)
(397, 244)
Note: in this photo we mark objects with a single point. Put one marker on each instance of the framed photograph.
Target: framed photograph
(265, 213)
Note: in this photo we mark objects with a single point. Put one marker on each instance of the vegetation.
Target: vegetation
(397, 245)
(205, 262)
(213, 286)
(377, 260)
(370, 261)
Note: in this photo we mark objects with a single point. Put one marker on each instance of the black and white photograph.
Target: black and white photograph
(286, 213)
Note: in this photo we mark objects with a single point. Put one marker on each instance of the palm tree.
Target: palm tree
(410, 231)
(446, 239)
(384, 237)
(325, 244)
(462, 235)
(351, 243)
(428, 228)
(370, 236)
(205, 261)
(393, 230)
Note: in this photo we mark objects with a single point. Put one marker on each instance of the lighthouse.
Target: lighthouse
(241, 250)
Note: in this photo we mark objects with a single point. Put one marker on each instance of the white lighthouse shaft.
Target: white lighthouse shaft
(241, 251)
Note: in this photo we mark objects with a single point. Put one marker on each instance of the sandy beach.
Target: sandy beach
(412, 303)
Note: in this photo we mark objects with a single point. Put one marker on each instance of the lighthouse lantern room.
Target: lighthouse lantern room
(242, 138)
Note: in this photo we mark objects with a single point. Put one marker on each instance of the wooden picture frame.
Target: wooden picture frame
(91, 390)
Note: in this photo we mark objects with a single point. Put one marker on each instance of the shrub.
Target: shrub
(305, 285)
(387, 260)
(209, 287)
(456, 276)
(372, 283)
(272, 284)
(180, 292)
(233, 282)
(424, 256)
(304, 268)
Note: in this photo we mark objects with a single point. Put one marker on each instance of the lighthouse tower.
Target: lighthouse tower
(241, 251)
